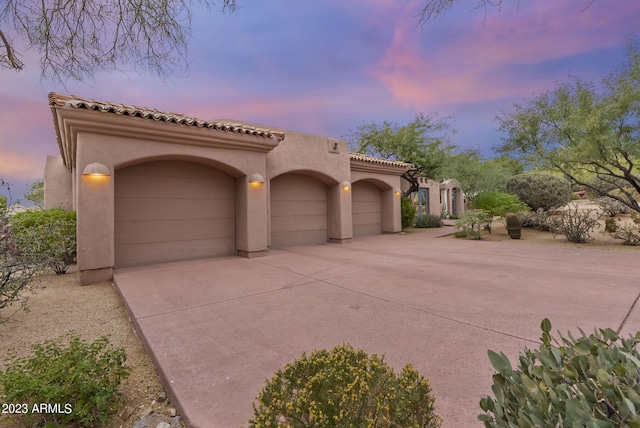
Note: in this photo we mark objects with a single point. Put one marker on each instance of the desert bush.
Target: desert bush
(16, 273)
(82, 378)
(427, 221)
(539, 190)
(46, 234)
(344, 387)
(628, 232)
(611, 207)
(574, 224)
(588, 381)
(408, 211)
(538, 219)
(610, 225)
(471, 224)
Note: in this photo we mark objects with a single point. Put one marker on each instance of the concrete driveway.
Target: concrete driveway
(217, 329)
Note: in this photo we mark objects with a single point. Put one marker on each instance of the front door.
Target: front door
(423, 202)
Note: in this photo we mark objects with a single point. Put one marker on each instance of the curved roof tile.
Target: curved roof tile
(56, 99)
(378, 161)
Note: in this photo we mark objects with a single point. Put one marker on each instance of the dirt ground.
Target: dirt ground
(599, 240)
(60, 305)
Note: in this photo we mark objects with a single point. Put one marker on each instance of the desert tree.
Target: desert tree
(424, 142)
(589, 133)
(76, 38)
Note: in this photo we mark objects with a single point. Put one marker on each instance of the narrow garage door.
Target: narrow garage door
(366, 209)
(172, 210)
(298, 210)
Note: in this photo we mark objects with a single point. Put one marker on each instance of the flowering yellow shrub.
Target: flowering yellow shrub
(345, 387)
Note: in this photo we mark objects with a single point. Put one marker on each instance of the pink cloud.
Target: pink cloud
(470, 66)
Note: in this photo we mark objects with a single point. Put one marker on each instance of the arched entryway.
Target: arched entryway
(366, 209)
(298, 210)
(172, 210)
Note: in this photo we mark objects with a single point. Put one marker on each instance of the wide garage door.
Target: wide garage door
(298, 210)
(366, 209)
(172, 210)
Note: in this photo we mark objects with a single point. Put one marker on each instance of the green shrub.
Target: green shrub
(588, 381)
(82, 378)
(427, 221)
(408, 211)
(49, 235)
(16, 273)
(610, 225)
(499, 203)
(539, 190)
(471, 224)
(344, 387)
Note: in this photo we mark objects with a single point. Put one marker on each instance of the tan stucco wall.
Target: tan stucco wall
(326, 159)
(94, 199)
(389, 186)
(118, 141)
(58, 189)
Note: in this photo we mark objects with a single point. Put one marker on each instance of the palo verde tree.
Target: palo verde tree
(74, 39)
(424, 142)
(590, 135)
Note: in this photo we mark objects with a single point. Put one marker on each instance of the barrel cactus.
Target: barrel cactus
(514, 226)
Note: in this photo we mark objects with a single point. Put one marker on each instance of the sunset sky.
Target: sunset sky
(327, 67)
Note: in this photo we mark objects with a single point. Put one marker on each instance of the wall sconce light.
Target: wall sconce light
(256, 178)
(397, 191)
(96, 169)
(346, 185)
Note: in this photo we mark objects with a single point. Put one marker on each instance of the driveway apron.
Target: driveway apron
(217, 329)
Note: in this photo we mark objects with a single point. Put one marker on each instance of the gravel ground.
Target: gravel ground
(60, 305)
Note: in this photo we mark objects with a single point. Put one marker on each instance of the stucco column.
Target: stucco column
(94, 207)
(94, 226)
(58, 187)
(339, 217)
(251, 217)
(391, 213)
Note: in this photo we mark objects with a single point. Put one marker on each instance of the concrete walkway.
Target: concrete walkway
(217, 329)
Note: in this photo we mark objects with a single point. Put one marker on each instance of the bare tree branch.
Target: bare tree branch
(77, 38)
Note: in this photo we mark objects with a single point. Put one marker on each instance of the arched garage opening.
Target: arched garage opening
(170, 210)
(366, 205)
(299, 210)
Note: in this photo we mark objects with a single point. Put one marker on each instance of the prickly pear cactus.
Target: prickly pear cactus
(514, 226)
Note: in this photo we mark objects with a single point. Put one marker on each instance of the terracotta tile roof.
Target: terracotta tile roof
(56, 99)
(378, 161)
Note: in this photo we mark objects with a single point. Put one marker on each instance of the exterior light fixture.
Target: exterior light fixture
(346, 185)
(396, 191)
(96, 169)
(256, 178)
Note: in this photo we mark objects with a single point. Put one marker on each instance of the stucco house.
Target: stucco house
(153, 187)
(437, 198)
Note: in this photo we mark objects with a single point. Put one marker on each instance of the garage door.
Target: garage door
(366, 209)
(172, 210)
(298, 210)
